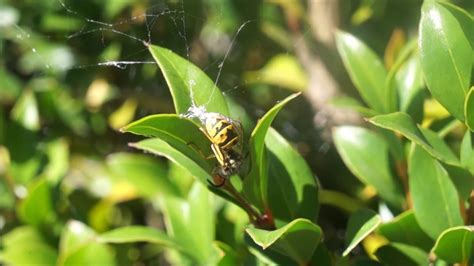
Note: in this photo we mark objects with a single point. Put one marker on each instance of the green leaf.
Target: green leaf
(57, 152)
(469, 109)
(360, 225)
(406, 230)
(11, 86)
(25, 159)
(191, 224)
(25, 245)
(188, 84)
(397, 254)
(455, 245)
(427, 139)
(446, 57)
(91, 254)
(462, 180)
(464, 18)
(467, 152)
(435, 199)
(294, 79)
(297, 239)
(166, 126)
(351, 103)
(255, 184)
(410, 84)
(37, 208)
(79, 246)
(162, 148)
(365, 70)
(147, 175)
(366, 154)
(25, 111)
(130, 234)
(292, 190)
(74, 235)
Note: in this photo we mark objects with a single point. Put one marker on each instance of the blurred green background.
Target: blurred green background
(64, 94)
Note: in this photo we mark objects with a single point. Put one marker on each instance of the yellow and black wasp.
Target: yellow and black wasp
(226, 137)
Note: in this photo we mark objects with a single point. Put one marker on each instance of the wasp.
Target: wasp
(225, 135)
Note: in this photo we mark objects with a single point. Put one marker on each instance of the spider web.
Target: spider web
(147, 22)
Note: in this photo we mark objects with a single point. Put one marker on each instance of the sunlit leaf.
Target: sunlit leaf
(26, 112)
(427, 139)
(147, 176)
(446, 57)
(188, 84)
(365, 69)
(406, 230)
(130, 234)
(435, 199)
(366, 154)
(124, 114)
(256, 184)
(162, 148)
(297, 239)
(79, 246)
(455, 245)
(25, 245)
(469, 109)
(190, 224)
(37, 208)
(294, 77)
(361, 224)
(167, 126)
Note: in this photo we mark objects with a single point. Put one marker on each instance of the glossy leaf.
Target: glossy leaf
(360, 225)
(446, 57)
(26, 240)
(188, 84)
(469, 109)
(297, 239)
(467, 152)
(162, 148)
(466, 20)
(435, 199)
(406, 230)
(294, 79)
(146, 175)
(427, 139)
(365, 69)
(292, 187)
(366, 154)
(397, 254)
(455, 245)
(78, 246)
(165, 126)
(37, 208)
(351, 103)
(256, 183)
(130, 234)
(91, 254)
(190, 223)
(462, 179)
(410, 84)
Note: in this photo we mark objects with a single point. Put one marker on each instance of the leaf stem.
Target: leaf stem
(253, 215)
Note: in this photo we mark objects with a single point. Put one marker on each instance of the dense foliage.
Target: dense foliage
(77, 189)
